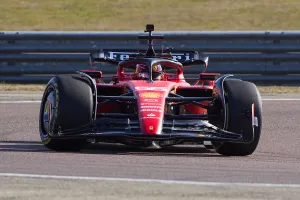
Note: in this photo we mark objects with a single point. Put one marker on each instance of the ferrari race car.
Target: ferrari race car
(149, 103)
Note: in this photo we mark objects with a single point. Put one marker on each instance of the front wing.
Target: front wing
(117, 129)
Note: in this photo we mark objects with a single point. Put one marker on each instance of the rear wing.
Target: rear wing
(117, 55)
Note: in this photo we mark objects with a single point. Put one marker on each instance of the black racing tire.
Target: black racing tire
(71, 104)
(240, 95)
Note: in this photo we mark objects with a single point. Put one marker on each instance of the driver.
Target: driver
(142, 72)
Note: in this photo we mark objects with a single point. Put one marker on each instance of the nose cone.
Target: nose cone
(151, 110)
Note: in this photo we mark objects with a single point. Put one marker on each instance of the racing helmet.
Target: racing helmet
(142, 72)
(157, 72)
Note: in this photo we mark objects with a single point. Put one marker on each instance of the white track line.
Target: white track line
(148, 180)
(7, 102)
(37, 101)
(281, 99)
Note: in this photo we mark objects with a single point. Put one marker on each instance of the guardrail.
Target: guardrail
(261, 57)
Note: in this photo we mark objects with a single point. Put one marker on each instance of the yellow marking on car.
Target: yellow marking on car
(46, 141)
(150, 95)
(46, 107)
(175, 89)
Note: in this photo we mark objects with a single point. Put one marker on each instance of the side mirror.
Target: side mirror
(96, 74)
(208, 76)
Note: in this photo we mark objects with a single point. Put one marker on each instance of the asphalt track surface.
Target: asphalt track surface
(82, 175)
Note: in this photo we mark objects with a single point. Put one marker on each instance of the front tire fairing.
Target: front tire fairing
(219, 92)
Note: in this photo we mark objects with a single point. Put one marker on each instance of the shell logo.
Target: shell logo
(151, 95)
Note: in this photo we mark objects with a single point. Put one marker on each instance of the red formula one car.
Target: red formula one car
(150, 103)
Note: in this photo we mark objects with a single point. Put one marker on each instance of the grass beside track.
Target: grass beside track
(167, 15)
(40, 88)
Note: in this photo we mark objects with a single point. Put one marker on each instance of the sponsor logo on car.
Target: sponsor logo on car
(151, 115)
(159, 107)
(151, 110)
(147, 103)
(119, 55)
(151, 95)
(151, 100)
(152, 88)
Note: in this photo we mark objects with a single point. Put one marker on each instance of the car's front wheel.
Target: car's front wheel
(241, 97)
(67, 103)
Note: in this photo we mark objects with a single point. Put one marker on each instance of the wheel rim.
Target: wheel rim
(47, 115)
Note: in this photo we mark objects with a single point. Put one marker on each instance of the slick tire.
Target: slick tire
(239, 96)
(67, 103)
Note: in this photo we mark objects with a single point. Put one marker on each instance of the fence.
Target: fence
(258, 56)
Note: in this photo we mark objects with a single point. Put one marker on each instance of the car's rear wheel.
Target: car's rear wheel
(240, 95)
(67, 103)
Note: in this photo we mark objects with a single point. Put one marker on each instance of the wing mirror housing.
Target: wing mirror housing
(208, 76)
(95, 74)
